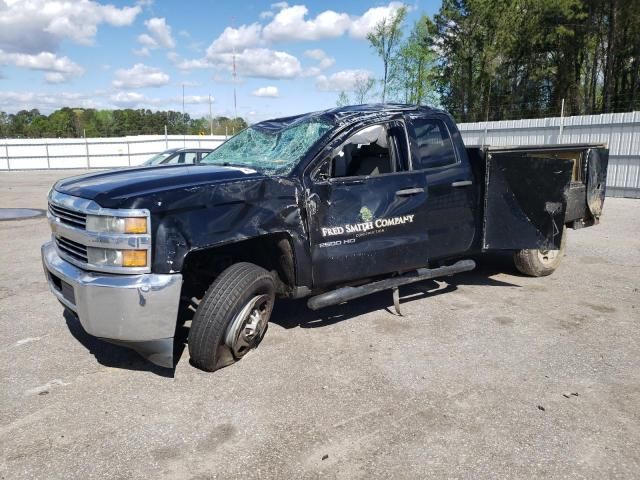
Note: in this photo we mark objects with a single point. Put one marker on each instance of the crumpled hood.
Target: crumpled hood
(115, 186)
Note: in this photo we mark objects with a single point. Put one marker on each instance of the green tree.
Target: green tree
(385, 39)
(62, 123)
(513, 59)
(412, 80)
(343, 99)
(360, 93)
(4, 124)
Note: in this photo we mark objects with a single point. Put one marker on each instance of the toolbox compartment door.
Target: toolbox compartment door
(525, 201)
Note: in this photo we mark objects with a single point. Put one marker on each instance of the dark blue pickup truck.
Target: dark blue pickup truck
(330, 205)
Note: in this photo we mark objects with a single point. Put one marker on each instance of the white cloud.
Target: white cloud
(270, 91)
(161, 32)
(141, 52)
(187, 64)
(55, 77)
(324, 62)
(290, 24)
(147, 41)
(140, 76)
(139, 100)
(159, 36)
(129, 99)
(59, 69)
(14, 101)
(345, 80)
(364, 24)
(39, 25)
(239, 38)
(260, 63)
(195, 99)
(316, 54)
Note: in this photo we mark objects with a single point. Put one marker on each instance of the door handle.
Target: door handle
(410, 191)
(462, 183)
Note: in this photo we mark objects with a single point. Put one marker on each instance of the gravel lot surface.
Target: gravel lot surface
(489, 375)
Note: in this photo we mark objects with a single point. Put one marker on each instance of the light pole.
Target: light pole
(184, 123)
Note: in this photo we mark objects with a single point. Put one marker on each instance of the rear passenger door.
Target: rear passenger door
(438, 153)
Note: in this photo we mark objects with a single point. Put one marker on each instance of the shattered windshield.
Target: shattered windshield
(272, 153)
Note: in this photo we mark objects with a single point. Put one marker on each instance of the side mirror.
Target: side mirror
(323, 176)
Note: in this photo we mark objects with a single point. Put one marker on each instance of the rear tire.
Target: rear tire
(232, 316)
(540, 263)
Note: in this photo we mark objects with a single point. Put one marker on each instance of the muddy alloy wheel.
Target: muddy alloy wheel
(232, 317)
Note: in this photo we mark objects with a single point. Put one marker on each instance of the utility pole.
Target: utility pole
(184, 123)
(210, 117)
(561, 121)
(235, 102)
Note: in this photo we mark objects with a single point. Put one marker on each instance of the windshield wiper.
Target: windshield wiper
(230, 164)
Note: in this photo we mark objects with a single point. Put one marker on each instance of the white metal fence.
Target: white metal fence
(27, 154)
(621, 131)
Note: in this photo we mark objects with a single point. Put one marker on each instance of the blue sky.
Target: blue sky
(290, 57)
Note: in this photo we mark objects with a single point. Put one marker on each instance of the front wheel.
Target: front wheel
(540, 263)
(232, 317)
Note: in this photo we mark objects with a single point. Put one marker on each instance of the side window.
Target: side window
(435, 148)
(190, 157)
(175, 158)
(374, 150)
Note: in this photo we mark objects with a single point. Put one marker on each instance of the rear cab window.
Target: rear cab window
(433, 145)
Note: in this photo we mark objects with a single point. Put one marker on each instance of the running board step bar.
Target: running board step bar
(344, 294)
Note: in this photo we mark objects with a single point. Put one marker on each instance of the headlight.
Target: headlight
(104, 224)
(108, 257)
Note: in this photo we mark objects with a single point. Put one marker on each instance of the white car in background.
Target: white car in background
(175, 156)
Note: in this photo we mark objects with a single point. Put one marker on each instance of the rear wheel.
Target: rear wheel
(540, 263)
(232, 317)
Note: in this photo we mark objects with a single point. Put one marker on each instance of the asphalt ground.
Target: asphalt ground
(488, 375)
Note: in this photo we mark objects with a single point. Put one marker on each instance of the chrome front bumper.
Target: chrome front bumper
(137, 311)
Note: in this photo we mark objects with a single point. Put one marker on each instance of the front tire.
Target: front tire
(540, 263)
(232, 317)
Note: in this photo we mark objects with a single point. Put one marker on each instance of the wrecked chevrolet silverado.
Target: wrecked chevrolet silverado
(331, 205)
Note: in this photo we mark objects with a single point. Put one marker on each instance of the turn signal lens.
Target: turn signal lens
(134, 258)
(135, 225)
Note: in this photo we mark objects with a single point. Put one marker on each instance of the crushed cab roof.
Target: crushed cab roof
(341, 116)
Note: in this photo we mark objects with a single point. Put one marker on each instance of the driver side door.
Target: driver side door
(365, 210)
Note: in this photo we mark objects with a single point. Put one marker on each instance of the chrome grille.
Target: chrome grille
(73, 249)
(74, 239)
(70, 217)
